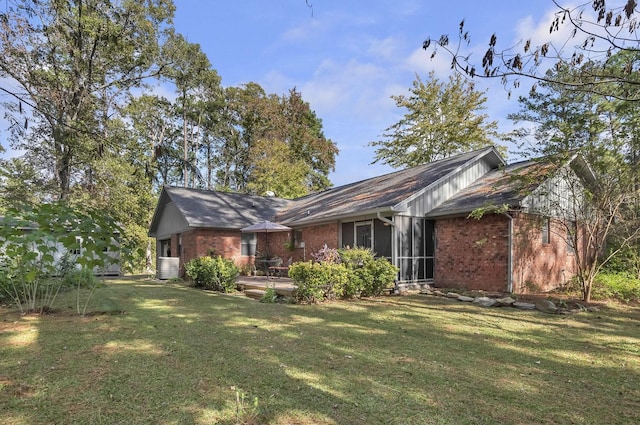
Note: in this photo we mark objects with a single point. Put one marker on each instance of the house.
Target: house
(417, 218)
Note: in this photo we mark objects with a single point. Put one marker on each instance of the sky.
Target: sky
(348, 58)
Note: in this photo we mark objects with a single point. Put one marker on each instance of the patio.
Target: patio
(255, 286)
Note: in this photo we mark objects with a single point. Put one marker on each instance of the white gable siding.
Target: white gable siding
(558, 196)
(446, 188)
(171, 222)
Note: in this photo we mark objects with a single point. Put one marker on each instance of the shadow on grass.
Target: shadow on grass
(180, 355)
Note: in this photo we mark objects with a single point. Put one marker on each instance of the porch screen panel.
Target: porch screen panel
(415, 248)
(419, 269)
(429, 239)
(382, 239)
(404, 232)
(406, 269)
(418, 237)
(347, 234)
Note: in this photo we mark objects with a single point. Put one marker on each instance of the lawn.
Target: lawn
(156, 353)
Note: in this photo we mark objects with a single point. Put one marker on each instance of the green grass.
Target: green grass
(168, 354)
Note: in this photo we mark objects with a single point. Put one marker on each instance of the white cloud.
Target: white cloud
(385, 49)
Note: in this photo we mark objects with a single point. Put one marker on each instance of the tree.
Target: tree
(565, 120)
(276, 171)
(441, 120)
(74, 62)
(584, 39)
(601, 219)
(251, 118)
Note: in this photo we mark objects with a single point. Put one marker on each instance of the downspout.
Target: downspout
(384, 219)
(509, 254)
(393, 244)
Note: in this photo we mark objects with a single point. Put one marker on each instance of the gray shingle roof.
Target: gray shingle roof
(378, 193)
(223, 210)
(210, 209)
(505, 186)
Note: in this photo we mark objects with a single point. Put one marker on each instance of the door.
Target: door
(364, 234)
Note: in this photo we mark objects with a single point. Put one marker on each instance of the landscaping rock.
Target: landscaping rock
(439, 293)
(465, 298)
(484, 301)
(452, 295)
(524, 306)
(546, 306)
(505, 302)
(427, 292)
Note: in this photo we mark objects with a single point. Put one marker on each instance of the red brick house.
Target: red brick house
(417, 218)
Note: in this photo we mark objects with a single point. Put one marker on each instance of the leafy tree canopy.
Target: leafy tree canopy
(442, 119)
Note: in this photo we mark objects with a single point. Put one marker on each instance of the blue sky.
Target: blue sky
(348, 57)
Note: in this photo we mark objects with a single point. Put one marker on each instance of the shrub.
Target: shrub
(620, 286)
(370, 275)
(270, 296)
(327, 255)
(384, 275)
(319, 281)
(354, 258)
(311, 280)
(214, 273)
(339, 283)
(33, 236)
(81, 278)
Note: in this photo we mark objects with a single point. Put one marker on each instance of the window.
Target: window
(348, 230)
(546, 231)
(248, 244)
(297, 238)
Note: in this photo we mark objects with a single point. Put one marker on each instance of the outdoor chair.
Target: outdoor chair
(279, 270)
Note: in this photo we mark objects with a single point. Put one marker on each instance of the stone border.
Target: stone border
(543, 305)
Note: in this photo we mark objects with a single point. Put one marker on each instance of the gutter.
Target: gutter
(384, 219)
(510, 254)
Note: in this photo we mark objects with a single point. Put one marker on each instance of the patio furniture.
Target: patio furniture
(279, 270)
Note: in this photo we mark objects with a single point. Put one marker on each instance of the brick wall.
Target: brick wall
(200, 242)
(540, 266)
(227, 243)
(472, 254)
(316, 237)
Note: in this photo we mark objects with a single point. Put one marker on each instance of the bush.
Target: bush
(354, 258)
(217, 273)
(80, 278)
(357, 274)
(311, 280)
(620, 286)
(327, 255)
(384, 275)
(370, 275)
